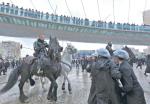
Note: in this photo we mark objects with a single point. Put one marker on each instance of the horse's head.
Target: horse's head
(54, 48)
(131, 54)
(70, 49)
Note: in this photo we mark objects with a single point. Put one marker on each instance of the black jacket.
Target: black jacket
(103, 86)
(40, 46)
(131, 87)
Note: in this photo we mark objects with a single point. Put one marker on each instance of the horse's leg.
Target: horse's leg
(23, 79)
(32, 82)
(63, 85)
(4, 71)
(69, 85)
(55, 90)
(52, 94)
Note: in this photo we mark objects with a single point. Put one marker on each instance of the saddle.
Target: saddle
(29, 59)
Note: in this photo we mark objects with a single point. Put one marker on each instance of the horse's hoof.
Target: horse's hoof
(23, 99)
(70, 92)
(64, 91)
(26, 101)
(44, 90)
(50, 98)
(145, 74)
(55, 99)
(50, 101)
(63, 88)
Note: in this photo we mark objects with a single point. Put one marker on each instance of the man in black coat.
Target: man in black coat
(139, 63)
(131, 89)
(109, 48)
(147, 65)
(103, 87)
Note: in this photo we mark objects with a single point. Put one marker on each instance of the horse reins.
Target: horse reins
(67, 64)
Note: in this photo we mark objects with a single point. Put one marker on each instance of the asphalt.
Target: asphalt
(80, 81)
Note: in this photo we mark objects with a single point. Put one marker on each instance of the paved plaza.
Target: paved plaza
(80, 86)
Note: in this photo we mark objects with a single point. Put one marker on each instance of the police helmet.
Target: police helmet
(103, 52)
(121, 54)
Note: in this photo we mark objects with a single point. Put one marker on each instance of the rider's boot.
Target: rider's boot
(40, 71)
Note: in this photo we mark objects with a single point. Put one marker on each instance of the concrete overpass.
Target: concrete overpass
(15, 26)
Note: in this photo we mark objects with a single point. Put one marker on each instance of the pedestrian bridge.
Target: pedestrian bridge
(19, 26)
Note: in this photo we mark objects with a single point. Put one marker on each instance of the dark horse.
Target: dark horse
(132, 57)
(51, 69)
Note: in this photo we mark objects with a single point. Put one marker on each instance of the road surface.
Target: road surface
(80, 85)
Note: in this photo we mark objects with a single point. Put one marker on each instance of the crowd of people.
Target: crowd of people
(5, 64)
(113, 79)
(31, 13)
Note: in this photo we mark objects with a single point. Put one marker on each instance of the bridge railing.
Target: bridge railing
(34, 14)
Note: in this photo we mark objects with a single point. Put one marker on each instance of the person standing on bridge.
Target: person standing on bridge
(131, 89)
(40, 49)
(103, 73)
(109, 48)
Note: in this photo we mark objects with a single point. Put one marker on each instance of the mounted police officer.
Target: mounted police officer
(40, 46)
(103, 73)
(147, 65)
(131, 89)
(40, 50)
(109, 48)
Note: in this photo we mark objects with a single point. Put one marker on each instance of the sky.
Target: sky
(28, 45)
(122, 9)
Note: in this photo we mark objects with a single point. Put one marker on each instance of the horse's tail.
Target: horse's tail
(11, 80)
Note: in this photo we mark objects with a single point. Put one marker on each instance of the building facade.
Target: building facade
(10, 50)
(146, 17)
(147, 51)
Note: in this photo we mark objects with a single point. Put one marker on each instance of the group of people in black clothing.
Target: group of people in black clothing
(113, 79)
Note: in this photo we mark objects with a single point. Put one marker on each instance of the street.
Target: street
(80, 86)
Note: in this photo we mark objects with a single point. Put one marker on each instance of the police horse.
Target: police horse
(66, 66)
(132, 56)
(66, 60)
(51, 69)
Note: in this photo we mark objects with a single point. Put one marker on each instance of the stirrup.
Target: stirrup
(40, 71)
